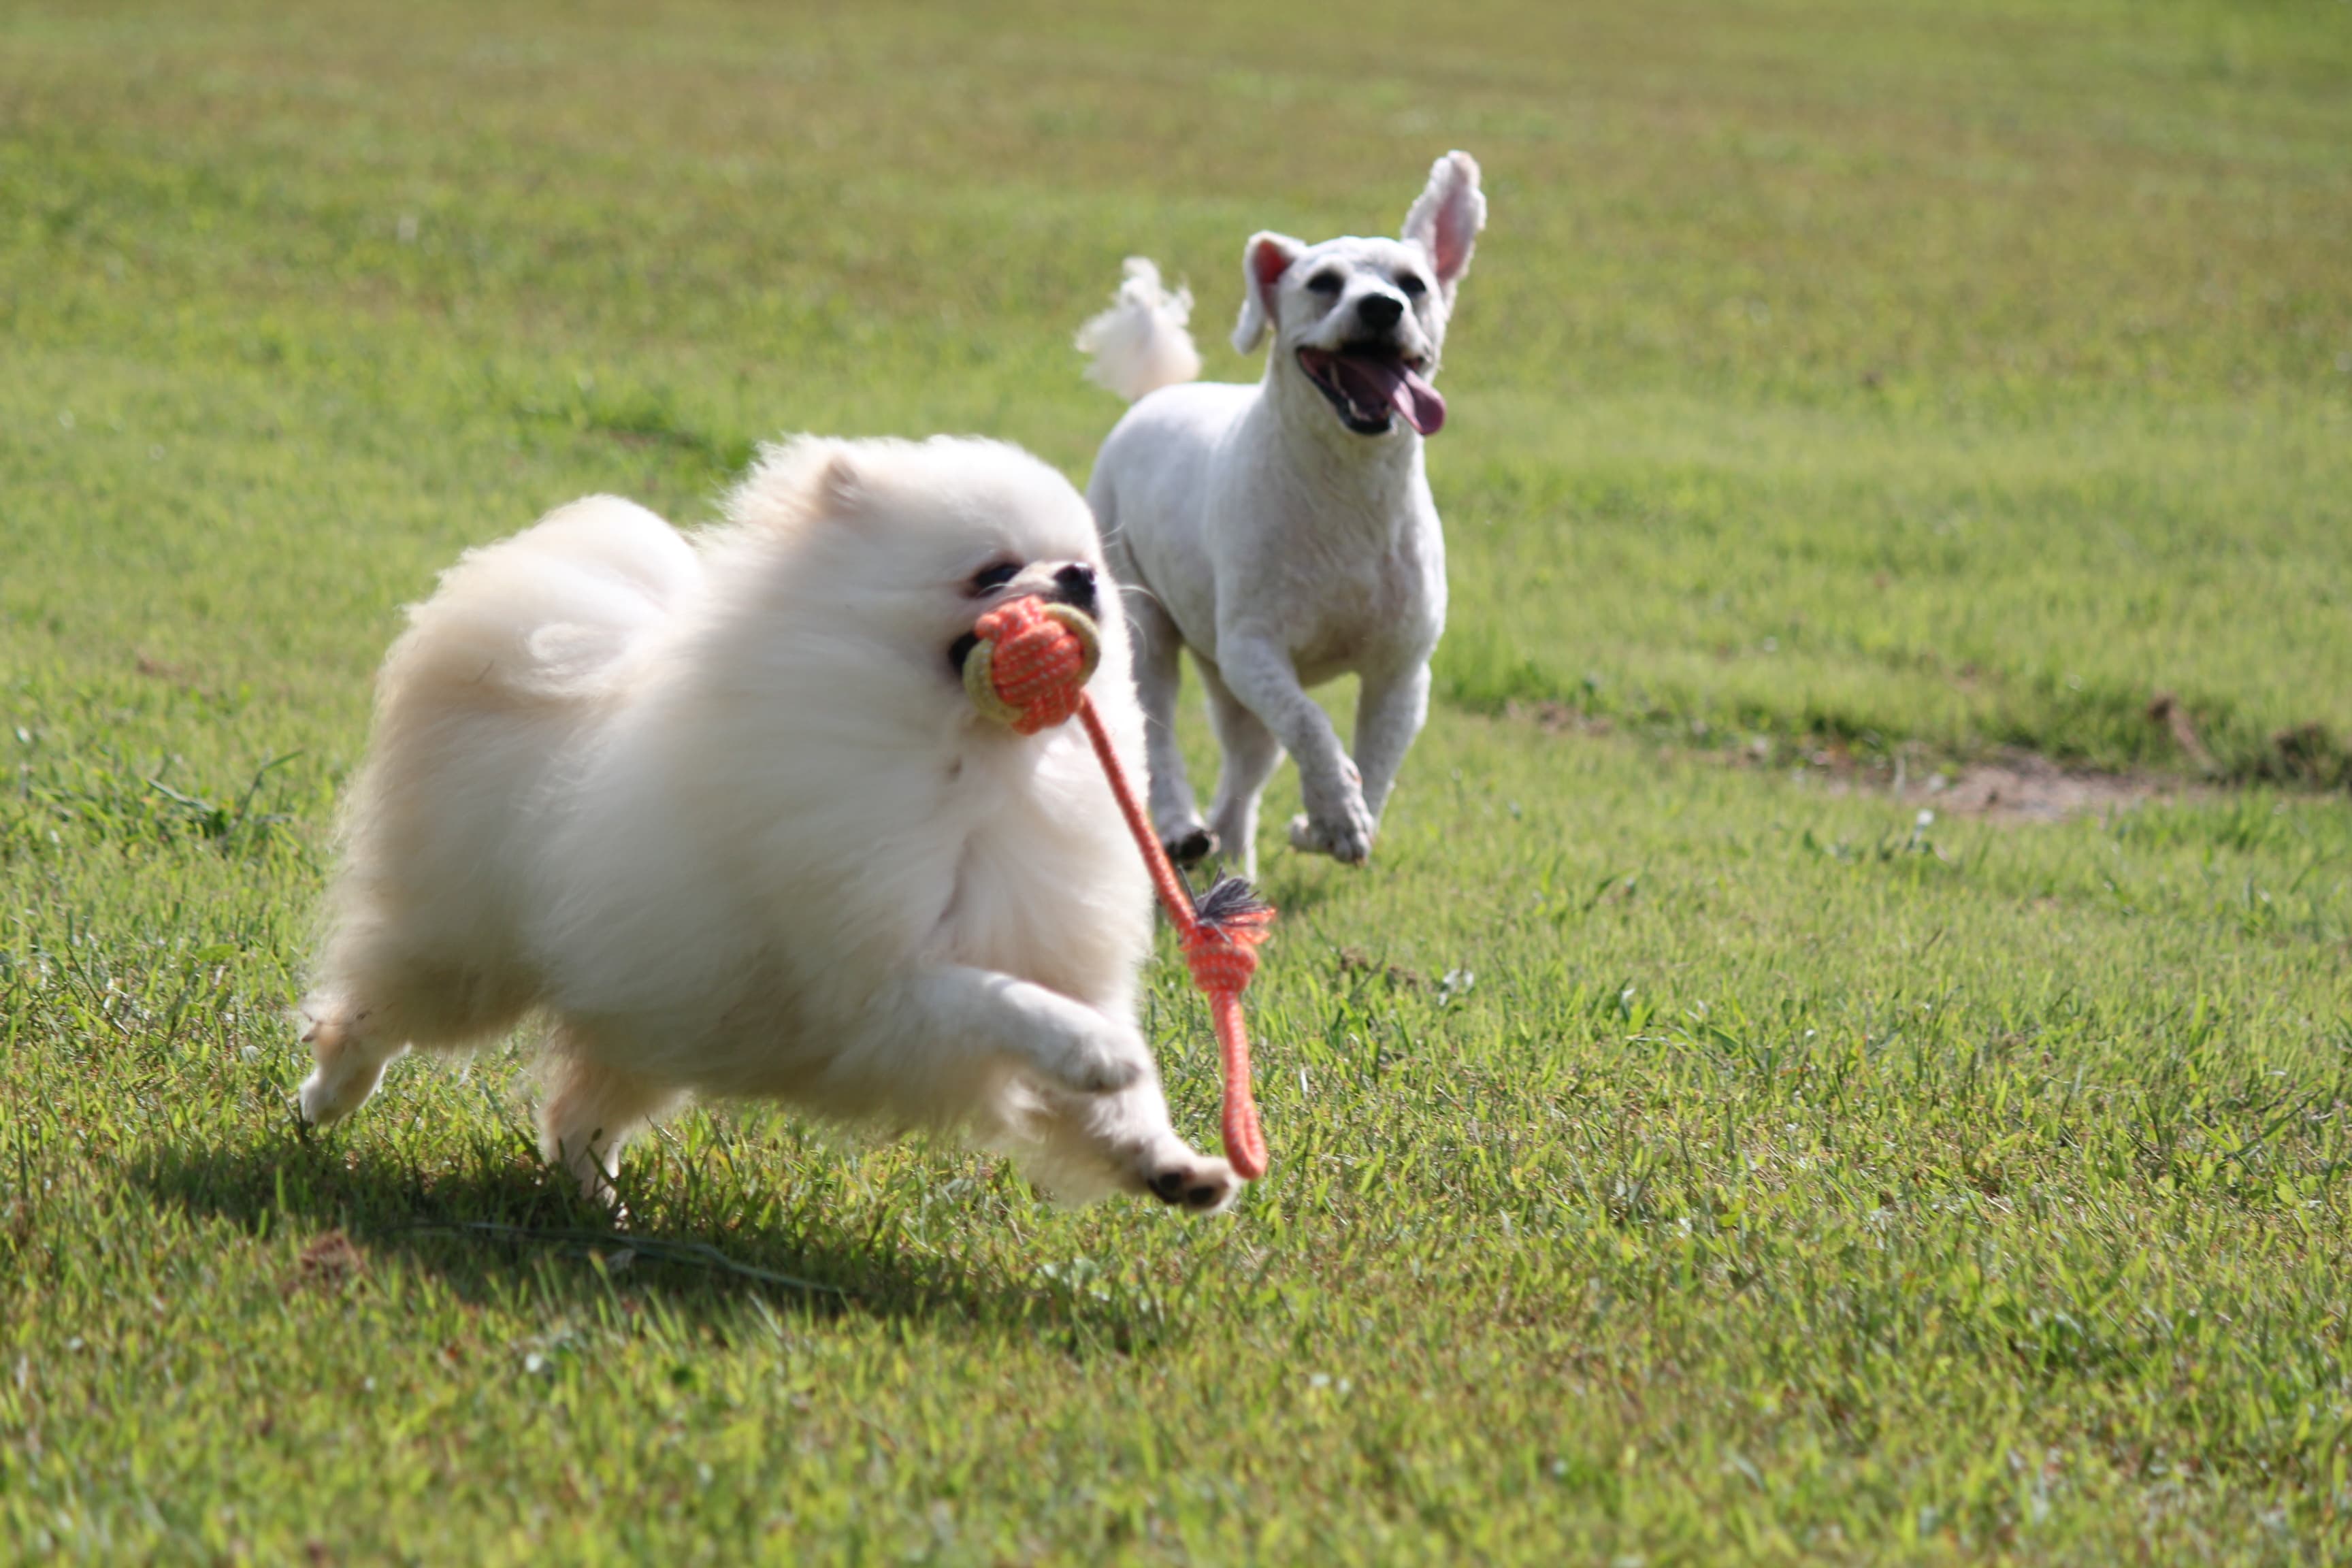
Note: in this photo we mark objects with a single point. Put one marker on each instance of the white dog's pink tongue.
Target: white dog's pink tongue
(1420, 404)
(1374, 382)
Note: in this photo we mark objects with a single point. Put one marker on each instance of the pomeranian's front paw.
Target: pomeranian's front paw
(1191, 1182)
(1347, 838)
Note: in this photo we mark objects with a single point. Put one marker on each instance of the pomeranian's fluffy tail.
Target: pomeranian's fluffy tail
(527, 644)
(552, 613)
(1140, 344)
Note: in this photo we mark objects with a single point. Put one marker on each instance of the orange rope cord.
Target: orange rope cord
(1029, 670)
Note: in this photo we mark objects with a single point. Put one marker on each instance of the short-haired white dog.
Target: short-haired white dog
(1284, 532)
(720, 809)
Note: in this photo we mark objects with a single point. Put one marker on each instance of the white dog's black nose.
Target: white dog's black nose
(1075, 585)
(1380, 311)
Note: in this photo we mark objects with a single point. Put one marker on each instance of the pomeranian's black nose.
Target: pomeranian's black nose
(1075, 585)
(1380, 311)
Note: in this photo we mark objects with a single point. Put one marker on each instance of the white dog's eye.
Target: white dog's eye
(994, 576)
(1323, 283)
(1409, 285)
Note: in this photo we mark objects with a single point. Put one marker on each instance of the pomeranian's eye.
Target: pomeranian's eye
(1409, 285)
(994, 576)
(1323, 283)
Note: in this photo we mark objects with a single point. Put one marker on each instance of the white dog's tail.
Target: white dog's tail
(1140, 344)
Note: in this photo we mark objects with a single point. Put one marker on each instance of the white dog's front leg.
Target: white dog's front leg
(1251, 755)
(950, 1011)
(1390, 711)
(1158, 680)
(1259, 671)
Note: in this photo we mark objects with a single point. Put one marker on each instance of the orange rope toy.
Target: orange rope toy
(1029, 670)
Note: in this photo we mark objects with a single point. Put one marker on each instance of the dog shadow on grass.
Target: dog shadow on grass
(499, 1220)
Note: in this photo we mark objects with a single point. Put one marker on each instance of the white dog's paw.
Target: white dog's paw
(1193, 1182)
(1190, 844)
(1338, 823)
(1347, 839)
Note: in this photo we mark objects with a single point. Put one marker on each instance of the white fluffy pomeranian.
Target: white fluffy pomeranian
(719, 808)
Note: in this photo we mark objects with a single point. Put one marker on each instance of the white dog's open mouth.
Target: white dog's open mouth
(1371, 386)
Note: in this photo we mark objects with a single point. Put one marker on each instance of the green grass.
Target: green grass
(1674, 1160)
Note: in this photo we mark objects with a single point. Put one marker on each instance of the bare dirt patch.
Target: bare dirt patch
(2012, 785)
(2022, 786)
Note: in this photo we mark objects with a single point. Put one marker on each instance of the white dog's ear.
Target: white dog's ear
(1264, 260)
(1447, 219)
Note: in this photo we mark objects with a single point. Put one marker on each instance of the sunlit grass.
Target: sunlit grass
(1678, 1157)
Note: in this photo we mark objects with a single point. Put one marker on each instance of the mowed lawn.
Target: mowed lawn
(1686, 1149)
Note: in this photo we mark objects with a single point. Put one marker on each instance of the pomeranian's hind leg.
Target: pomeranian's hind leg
(350, 1057)
(590, 1109)
(372, 997)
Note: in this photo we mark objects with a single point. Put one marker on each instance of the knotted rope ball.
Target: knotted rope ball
(1028, 669)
